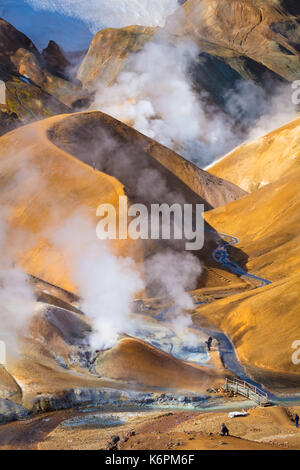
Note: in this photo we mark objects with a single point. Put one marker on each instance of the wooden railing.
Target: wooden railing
(247, 390)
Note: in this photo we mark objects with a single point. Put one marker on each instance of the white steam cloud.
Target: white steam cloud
(113, 13)
(171, 273)
(279, 110)
(107, 284)
(259, 112)
(17, 298)
(72, 23)
(154, 94)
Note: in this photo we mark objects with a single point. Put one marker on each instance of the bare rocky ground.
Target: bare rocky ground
(263, 429)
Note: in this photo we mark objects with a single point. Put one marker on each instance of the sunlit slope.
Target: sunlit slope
(132, 360)
(263, 323)
(9, 388)
(51, 360)
(262, 161)
(267, 224)
(108, 52)
(48, 174)
(41, 187)
(148, 170)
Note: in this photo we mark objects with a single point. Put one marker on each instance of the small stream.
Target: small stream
(221, 255)
(226, 348)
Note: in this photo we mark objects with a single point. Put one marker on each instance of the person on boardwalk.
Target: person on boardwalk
(208, 342)
(224, 430)
(297, 420)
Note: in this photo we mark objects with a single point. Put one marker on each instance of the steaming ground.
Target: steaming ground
(155, 94)
(106, 284)
(17, 299)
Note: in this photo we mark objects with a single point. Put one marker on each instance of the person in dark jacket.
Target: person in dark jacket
(208, 342)
(224, 430)
(297, 420)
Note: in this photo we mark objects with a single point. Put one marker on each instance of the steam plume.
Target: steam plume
(172, 273)
(107, 284)
(155, 95)
(16, 296)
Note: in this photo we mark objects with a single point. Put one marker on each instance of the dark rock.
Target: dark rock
(28, 65)
(8, 121)
(11, 40)
(11, 411)
(55, 60)
(115, 439)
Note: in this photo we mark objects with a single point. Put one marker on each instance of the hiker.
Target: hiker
(208, 342)
(224, 430)
(297, 420)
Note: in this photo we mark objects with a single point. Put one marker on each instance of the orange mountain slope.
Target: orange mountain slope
(134, 159)
(133, 360)
(262, 161)
(263, 323)
(108, 52)
(41, 187)
(43, 183)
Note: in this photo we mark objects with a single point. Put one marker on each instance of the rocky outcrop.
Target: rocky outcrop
(68, 93)
(108, 53)
(222, 61)
(25, 100)
(8, 120)
(55, 60)
(29, 102)
(19, 55)
(11, 40)
(236, 30)
(9, 389)
(11, 411)
(111, 48)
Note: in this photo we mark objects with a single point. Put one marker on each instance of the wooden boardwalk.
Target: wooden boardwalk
(247, 390)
